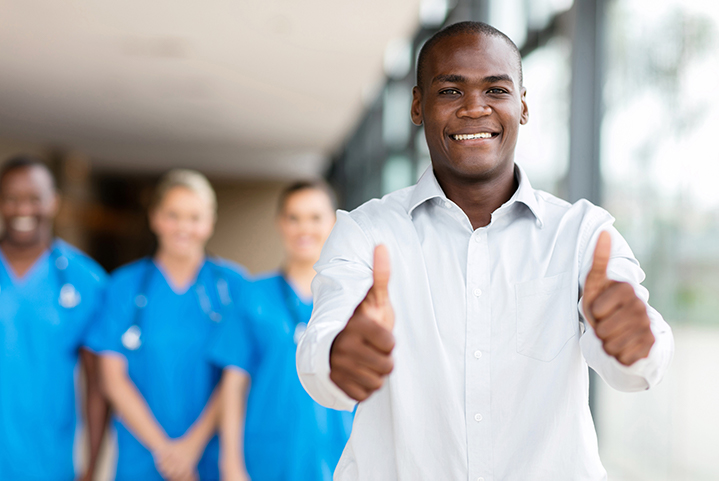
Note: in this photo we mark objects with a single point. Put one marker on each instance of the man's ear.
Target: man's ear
(524, 118)
(416, 106)
(55, 205)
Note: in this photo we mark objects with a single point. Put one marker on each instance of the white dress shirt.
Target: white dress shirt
(490, 380)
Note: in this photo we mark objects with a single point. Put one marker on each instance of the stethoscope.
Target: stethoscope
(69, 296)
(132, 337)
(292, 306)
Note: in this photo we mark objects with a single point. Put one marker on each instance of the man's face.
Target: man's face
(28, 204)
(471, 105)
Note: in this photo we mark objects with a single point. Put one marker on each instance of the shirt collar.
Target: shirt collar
(428, 188)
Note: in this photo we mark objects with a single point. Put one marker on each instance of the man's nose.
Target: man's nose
(474, 106)
(25, 208)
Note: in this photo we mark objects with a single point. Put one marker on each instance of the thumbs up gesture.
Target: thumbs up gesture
(360, 356)
(618, 316)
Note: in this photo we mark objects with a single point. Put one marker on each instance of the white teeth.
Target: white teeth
(23, 224)
(480, 135)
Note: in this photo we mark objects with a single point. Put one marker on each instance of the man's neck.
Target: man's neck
(22, 257)
(479, 198)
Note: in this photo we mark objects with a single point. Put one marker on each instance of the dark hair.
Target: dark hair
(25, 161)
(479, 28)
(298, 186)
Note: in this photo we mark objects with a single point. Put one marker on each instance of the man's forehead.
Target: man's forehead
(473, 55)
(32, 175)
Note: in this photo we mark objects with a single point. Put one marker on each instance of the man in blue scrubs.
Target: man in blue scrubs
(49, 294)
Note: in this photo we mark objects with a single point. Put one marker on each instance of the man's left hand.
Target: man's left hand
(618, 316)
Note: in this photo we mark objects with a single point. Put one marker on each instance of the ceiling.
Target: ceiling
(258, 89)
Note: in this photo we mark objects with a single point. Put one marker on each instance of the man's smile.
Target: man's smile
(478, 135)
(23, 223)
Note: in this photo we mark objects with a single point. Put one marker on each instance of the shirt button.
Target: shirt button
(477, 354)
(447, 204)
(478, 417)
(477, 292)
(480, 479)
(477, 239)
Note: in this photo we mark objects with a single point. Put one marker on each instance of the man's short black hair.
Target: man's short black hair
(24, 161)
(461, 28)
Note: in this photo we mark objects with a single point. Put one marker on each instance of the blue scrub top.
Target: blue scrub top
(170, 368)
(40, 341)
(287, 434)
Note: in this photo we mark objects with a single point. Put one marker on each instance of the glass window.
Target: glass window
(660, 165)
(543, 145)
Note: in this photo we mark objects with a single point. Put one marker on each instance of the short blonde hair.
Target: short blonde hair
(189, 179)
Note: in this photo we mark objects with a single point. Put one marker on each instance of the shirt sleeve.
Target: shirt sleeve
(232, 344)
(94, 292)
(624, 267)
(344, 274)
(113, 318)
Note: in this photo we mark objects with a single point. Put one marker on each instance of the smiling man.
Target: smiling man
(471, 362)
(49, 293)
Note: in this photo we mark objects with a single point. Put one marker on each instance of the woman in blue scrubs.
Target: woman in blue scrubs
(287, 436)
(158, 316)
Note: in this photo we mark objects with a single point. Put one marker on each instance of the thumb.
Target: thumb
(597, 279)
(380, 275)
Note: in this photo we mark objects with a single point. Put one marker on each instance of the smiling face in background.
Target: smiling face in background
(183, 222)
(304, 223)
(471, 104)
(29, 204)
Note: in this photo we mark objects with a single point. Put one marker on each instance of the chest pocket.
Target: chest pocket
(546, 317)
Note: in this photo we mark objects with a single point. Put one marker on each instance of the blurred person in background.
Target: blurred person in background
(286, 434)
(49, 295)
(158, 315)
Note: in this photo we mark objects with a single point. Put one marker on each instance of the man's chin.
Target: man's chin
(476, 169)
(23, 240)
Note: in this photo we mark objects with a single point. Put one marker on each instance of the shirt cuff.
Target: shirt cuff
(313, 368)
(652, 367)
(643, 374)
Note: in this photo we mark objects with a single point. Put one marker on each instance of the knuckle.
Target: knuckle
(601, 330)
(362, 393)
(377, 383)
(389, 365)
(611, 349)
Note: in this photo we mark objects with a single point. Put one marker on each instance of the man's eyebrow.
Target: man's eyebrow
(497, 78)
(454, 78)
(449, 78)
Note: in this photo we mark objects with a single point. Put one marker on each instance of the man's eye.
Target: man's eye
(449, 92)
(497, 91)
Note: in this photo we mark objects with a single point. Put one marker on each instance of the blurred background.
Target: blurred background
(624, 111)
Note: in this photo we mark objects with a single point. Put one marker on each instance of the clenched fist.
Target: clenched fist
(360, 356)
(618, 316)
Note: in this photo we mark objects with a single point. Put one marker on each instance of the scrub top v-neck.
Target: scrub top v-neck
(287, 434)
(169, 368)
(39, 351)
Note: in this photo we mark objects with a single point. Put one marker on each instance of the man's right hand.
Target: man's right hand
(360, 356)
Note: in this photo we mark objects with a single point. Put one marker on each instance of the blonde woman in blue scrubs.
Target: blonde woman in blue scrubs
(159, 314)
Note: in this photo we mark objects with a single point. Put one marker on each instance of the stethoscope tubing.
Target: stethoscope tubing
(132, 338)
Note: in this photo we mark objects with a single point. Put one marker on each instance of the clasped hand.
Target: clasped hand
(177, 459)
